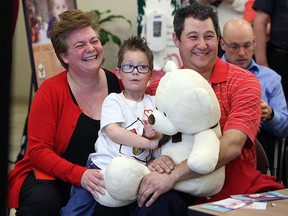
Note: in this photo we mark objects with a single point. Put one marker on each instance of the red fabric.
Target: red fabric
(239, 94)
(242, 178)
(15, 14)
(151, 89)
(57, 131)
(249, 12)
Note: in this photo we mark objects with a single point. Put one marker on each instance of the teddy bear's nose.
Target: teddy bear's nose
(151, 119)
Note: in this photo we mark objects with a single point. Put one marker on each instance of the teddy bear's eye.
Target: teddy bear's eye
(156, 108)
(164, 114)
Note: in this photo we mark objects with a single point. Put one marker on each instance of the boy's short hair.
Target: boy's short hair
(135, 43)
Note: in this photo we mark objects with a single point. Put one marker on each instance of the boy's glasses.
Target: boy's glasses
(142, 69)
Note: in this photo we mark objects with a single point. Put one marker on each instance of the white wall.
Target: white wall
(21, 69)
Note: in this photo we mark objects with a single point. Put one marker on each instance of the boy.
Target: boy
(124, 128)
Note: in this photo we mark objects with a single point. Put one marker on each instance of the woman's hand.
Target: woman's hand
(162, 164)
(92, 180)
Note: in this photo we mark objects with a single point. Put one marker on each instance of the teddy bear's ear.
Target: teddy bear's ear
(204, 100)
(170, 66)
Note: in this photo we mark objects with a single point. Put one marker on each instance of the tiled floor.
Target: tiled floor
(17, 121)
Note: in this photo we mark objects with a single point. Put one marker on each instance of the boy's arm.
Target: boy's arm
(123, 136)
(149, 132)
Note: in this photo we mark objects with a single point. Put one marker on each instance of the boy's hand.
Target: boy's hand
(149, 132)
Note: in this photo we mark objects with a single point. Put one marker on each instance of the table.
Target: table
(275, 208)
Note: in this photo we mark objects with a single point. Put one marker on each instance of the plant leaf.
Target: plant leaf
(104, 37)
(116, 40)
(114, 17)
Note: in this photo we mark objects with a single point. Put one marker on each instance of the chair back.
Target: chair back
(262, 159)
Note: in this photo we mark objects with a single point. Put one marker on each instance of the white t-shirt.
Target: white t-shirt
(130, 114)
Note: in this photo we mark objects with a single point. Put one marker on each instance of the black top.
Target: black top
(278, 12)
(86, 131)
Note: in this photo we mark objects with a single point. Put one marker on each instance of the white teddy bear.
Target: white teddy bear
(188, 111)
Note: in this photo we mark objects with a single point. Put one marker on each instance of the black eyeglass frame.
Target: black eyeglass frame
(146, 67)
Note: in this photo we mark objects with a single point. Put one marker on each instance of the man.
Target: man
(238, 43)
(274, 52)
(196, 34)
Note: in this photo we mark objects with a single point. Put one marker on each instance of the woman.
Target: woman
(64, 121)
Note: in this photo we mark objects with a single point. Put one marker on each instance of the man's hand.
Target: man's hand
(267, 112)
(153, 185)
(162, 164)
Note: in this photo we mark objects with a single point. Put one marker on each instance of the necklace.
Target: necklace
(90, 104)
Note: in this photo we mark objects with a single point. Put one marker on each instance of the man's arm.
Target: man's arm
(231, 144)
(261, 21)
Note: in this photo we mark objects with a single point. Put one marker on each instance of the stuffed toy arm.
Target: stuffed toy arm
(122, 178)
(205, 153)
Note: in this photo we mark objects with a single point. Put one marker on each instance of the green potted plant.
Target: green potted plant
(107, 35)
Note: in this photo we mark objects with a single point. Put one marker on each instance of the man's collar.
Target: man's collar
(254, 67)
(220, 72)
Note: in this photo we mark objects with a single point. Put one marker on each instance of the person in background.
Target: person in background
(238, 42)
(33, 22)
(64, 121)
(124, 128)
(274, 52)
(196, 34)
(249, 12)
(57, 7)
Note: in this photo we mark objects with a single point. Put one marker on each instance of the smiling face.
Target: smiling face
(198, 45)
(85, 52)
(135, 82)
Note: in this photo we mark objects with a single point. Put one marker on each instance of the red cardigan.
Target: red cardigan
(52, 129)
